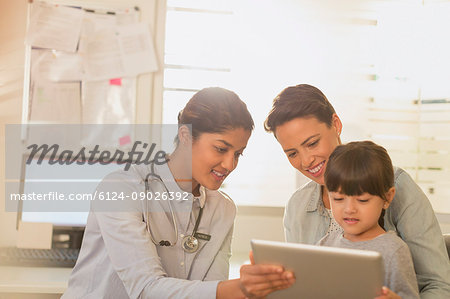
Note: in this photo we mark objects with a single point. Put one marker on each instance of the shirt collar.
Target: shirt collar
(315, 199)
(166, 175)
(202, 197)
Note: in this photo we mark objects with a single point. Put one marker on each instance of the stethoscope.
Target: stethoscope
(190, 242)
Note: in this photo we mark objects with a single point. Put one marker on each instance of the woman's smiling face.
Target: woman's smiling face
(216, 155)
(308, 142)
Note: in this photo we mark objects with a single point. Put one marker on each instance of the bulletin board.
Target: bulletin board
(82, 64)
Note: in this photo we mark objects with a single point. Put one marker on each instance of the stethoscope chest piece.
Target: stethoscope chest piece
(190, 244)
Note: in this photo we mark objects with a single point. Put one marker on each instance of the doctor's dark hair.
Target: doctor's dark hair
(358, 167)
(299, 101)
(215, 110)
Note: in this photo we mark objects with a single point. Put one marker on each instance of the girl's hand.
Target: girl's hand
(257, 281)
(388, 294)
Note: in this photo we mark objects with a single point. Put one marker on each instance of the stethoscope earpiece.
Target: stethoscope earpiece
(164, 243)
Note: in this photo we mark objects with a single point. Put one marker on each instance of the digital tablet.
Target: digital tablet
(323, 272)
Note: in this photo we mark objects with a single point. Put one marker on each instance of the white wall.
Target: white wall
(265, 223)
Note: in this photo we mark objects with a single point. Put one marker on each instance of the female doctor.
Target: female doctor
(176, 248)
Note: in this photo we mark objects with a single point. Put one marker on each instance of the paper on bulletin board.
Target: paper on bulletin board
(99, 48)
(97, 21)
(55, 103)
(109, 102)
(111, 48)
(52, 65)
(54, 27)
(101, 55)
(128, 16)
(138, 52)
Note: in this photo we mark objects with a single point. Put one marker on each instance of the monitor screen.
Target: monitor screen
(72, 183)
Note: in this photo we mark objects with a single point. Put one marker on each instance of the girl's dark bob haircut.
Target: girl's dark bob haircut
(359, 167)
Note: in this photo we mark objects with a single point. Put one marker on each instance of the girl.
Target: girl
(175, 248)
(360, 182)
(308, 129)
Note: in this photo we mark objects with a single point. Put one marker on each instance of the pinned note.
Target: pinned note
(48, 21)
(125, 140)
(56, 102)
(116, 81)
(137, 49)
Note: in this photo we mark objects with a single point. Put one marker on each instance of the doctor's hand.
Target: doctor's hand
(257, 281)
(386, 293)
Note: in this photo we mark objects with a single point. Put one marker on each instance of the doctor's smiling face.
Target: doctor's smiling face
(216, 155)
(213, 131)
(308, 142)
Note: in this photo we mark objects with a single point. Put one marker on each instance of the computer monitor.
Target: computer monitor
(60, 181)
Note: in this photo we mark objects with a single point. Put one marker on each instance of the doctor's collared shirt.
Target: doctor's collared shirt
(410, 215)
(119, 260)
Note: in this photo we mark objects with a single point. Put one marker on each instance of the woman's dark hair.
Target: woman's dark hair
(215, 110)
(299, 101)
(358, 167)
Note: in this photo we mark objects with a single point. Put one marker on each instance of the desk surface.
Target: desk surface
(54, 280)
(34, 280)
